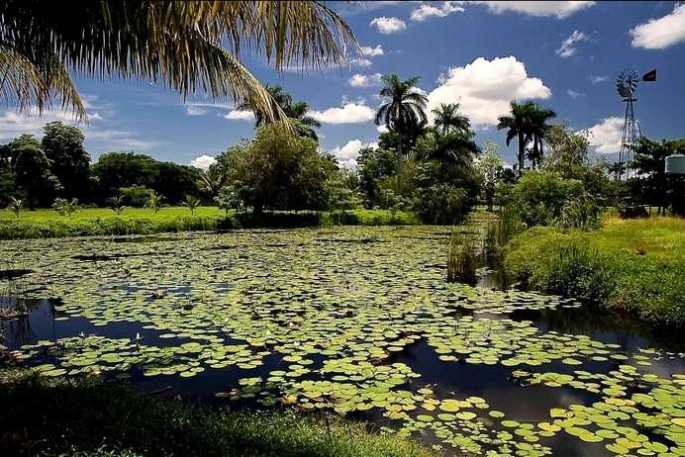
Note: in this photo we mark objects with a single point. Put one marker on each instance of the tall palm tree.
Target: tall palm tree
(456, 148)
(296, 112)
(403, 107)
(448, 118)
(538, 130)
(519, 126)
(176, 43)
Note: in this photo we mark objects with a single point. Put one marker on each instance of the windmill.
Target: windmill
(626, 85)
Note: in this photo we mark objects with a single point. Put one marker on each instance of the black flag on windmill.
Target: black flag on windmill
(650, 76)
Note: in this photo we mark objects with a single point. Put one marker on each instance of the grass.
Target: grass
(637, 265)
(89, 418)
(46, 223)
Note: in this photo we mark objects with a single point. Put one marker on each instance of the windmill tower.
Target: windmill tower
(626, 86)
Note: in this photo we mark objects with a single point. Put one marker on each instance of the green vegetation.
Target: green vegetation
(143, 221)
(94, 419)
(636, 265)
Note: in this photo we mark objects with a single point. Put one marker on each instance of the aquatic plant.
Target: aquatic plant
(463, 257)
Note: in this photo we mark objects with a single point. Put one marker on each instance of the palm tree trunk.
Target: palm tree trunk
(522, 151)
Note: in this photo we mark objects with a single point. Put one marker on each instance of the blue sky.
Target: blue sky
(564, 55)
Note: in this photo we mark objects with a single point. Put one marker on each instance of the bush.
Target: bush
(541, 195)
(442, 204)
(135, 196)
(581, 212)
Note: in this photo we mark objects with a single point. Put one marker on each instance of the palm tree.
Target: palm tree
(518, 125)
(455, 148)
(538, 130)
(403, 107)
(176, 43)
(447, 118)
(296, 112)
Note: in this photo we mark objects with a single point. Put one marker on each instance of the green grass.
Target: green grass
(47, 223)
(89, 418)
(636, 265)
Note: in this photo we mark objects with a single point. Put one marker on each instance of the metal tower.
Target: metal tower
(626, 85)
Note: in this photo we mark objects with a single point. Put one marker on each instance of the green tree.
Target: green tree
(518, 125)
(538, 131)
(192, 203)
(651, 184)
(374, 164)
(228, 198)
(31, 169)
(66, 207)
(402, 110)
(177, 43)
(490, 167)
(70, 163)
(448, 119)
(453, 147)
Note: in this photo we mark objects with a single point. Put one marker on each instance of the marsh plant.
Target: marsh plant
(581, 212)
(228, 199)
(464, 257)
(66, 207)
(500, 231)
(117, 204)
(191, 203)
(581, 272)
(16, 205)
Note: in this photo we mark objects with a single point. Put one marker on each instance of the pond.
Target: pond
(353, 321)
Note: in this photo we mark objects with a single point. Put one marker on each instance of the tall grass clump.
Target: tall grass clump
(463, 257)
(580, 272)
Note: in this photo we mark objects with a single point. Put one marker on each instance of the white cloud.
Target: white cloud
(359, 80)
(388, 25)
(360, 62)
(484, 88)
(192, 110)
(598, 79)
(382, 129)
(567, 48)
(660, 33)
(240, 115)
(427, 10)
(574, 94)
(203, 162)
(605, 137)
(559, 9)
(370, 51)
(348, 153)
(349, 113)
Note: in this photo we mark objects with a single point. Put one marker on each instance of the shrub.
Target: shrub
(442, 204)
(581, 212)
(541, 195)
(135, 196)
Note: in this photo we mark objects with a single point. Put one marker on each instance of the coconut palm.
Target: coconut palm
(456, 148)
(296, 112)
(519, 125)
(538, 130)
(403, 107)
(448, 118)
(176, 43)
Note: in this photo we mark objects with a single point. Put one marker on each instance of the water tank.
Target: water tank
(675, 164)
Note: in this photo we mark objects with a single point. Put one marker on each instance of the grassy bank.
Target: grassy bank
(636, 265)
(101, 221)
(89, 418)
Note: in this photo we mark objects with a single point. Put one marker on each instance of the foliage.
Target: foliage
(635, 265)
(340, 190)
(70, 163)
(228, 198)
(463, 257)
(179, 44)
(94, 419)
(442, 204)
(541, 195)
(154, 201)
(192, 203)
(374, 165)
(448, 119)
(277, 172)
(581, 212)
(66, 207)
(490, 168)
(15, 204)
(136, 195)
(651, 185)
(117, 204)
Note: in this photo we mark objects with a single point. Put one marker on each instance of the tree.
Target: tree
(447, 119)
(66, 207)
(63, 145)
(374, 164)
(31, 169)
(454, 147)
(402, 109)
(154, 201)
(178, 43)
(228, 198)
(295, 111)
(15, 204)
(278, 172)
(538, 131)
(192, 203)
(518, 125)
(490, 167)
(651, 184)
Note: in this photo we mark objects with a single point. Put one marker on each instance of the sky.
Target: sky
(564, 55)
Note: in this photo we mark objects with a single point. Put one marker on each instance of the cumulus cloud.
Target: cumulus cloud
(388, 25)
(484, 88)
(371, 51)
(192, 110)
(568, 46)
(382, 129)
(359, 80)
(598, 79)
(348, 153)
(203, 162)
(349, 113)
(427, 10)
(240, 115)
(559, 9)
(660, 33)
(605, 137)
